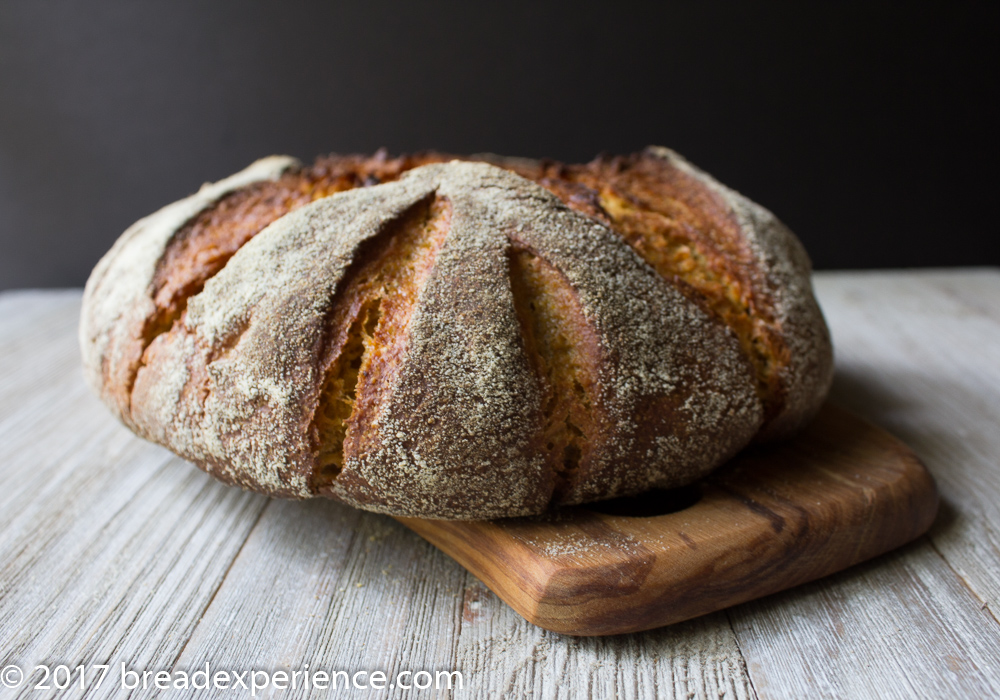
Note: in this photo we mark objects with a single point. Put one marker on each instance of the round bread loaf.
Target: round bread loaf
(458, 337)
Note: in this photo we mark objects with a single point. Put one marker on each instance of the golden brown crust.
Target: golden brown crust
(119, 296)
(367, 334)
(720, 250)
(458, 344)
(566, 355)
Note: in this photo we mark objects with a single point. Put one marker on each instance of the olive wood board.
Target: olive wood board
(774, 517)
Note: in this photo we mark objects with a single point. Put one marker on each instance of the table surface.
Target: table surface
(112, 550)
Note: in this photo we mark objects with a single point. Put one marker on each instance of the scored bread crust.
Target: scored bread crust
(118, 299)
(450, 415)
(785, 270)
(769, 263)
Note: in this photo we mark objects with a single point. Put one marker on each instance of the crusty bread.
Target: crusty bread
(428, 337)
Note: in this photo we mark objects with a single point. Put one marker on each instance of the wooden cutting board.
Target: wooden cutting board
(842, 492)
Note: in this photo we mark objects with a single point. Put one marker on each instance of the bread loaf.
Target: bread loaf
(448, 337)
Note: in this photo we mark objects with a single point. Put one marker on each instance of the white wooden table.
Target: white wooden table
(114, 551)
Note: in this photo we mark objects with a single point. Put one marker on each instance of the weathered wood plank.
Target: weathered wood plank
(919, 354)
(901, 626)
(110, 548)
(38, 347)
(321, 584)
(915, 356)
(506, 657)
(20, 309)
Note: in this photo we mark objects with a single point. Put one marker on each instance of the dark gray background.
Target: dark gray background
(869, 128)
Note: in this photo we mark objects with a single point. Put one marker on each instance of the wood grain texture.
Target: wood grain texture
(38, 350)
(916, 353)
(840, 493)
(510, 658)
(925, 364)
(900, 626)
(111, 549)
(323, 584)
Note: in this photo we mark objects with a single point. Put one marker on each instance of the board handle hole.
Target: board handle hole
(650, 503)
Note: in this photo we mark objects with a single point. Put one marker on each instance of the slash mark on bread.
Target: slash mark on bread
(663, 234)
(204, 245)
(684, 232)
(565, 352)
(669, 219)
(340, 389)
(368, 331)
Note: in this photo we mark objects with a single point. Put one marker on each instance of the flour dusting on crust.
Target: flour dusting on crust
(234, 383)
(787, 268)
(118, 297)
